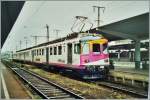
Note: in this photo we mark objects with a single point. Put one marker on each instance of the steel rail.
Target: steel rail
(138, 92)
(45, 88)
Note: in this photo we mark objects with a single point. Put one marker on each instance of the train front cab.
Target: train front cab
(94, 57)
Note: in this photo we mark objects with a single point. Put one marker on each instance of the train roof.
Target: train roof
(68, 37)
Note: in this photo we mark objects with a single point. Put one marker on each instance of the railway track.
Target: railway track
(120, 87)
(134, 91)
(45, 88)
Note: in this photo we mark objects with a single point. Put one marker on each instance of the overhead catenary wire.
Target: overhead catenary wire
(35, 12)
(57, 31)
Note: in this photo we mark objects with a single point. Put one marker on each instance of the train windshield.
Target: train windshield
(96, 48)
(85, 48)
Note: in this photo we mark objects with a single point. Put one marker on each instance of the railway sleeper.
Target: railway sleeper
(48, 89)
(33, 80)
(59, 97)
(41, 84)
(36, 82)
(56, 94)
(52, 91)
(46, 85)
(45, 88)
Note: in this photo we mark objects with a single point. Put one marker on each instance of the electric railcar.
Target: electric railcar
(85, 54)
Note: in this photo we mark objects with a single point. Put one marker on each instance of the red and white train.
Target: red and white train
(85, 54)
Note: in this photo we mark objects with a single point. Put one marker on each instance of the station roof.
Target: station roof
(135, 28)
(10, 11)
(128, 46)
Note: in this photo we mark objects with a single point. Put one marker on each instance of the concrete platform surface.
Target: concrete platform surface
(131, 73)
(133, 70)
(13, 84)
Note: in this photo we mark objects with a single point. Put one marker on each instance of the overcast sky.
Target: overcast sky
(61, 15)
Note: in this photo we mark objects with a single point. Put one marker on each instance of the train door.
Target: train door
(47, 55)
(69, 55)
(33, 52)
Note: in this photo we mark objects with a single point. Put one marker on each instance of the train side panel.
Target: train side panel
(57, 53)
(39, 55)
(28, 55)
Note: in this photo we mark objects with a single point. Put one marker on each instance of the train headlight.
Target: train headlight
(101, 66)
(86, 60)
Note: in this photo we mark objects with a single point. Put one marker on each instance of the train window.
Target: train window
(77, 48)
(85, 48)
(42, 51)
(55, 50)
(34, 52)
(50, 50)
(59, 50)
(104, 46)
(37, 53)
(96, 48)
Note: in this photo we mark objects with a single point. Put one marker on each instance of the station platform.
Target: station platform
(11, 86)
(130, 75)
(133, 70)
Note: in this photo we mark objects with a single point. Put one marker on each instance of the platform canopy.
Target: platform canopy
(10, 11)
(134, 28)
